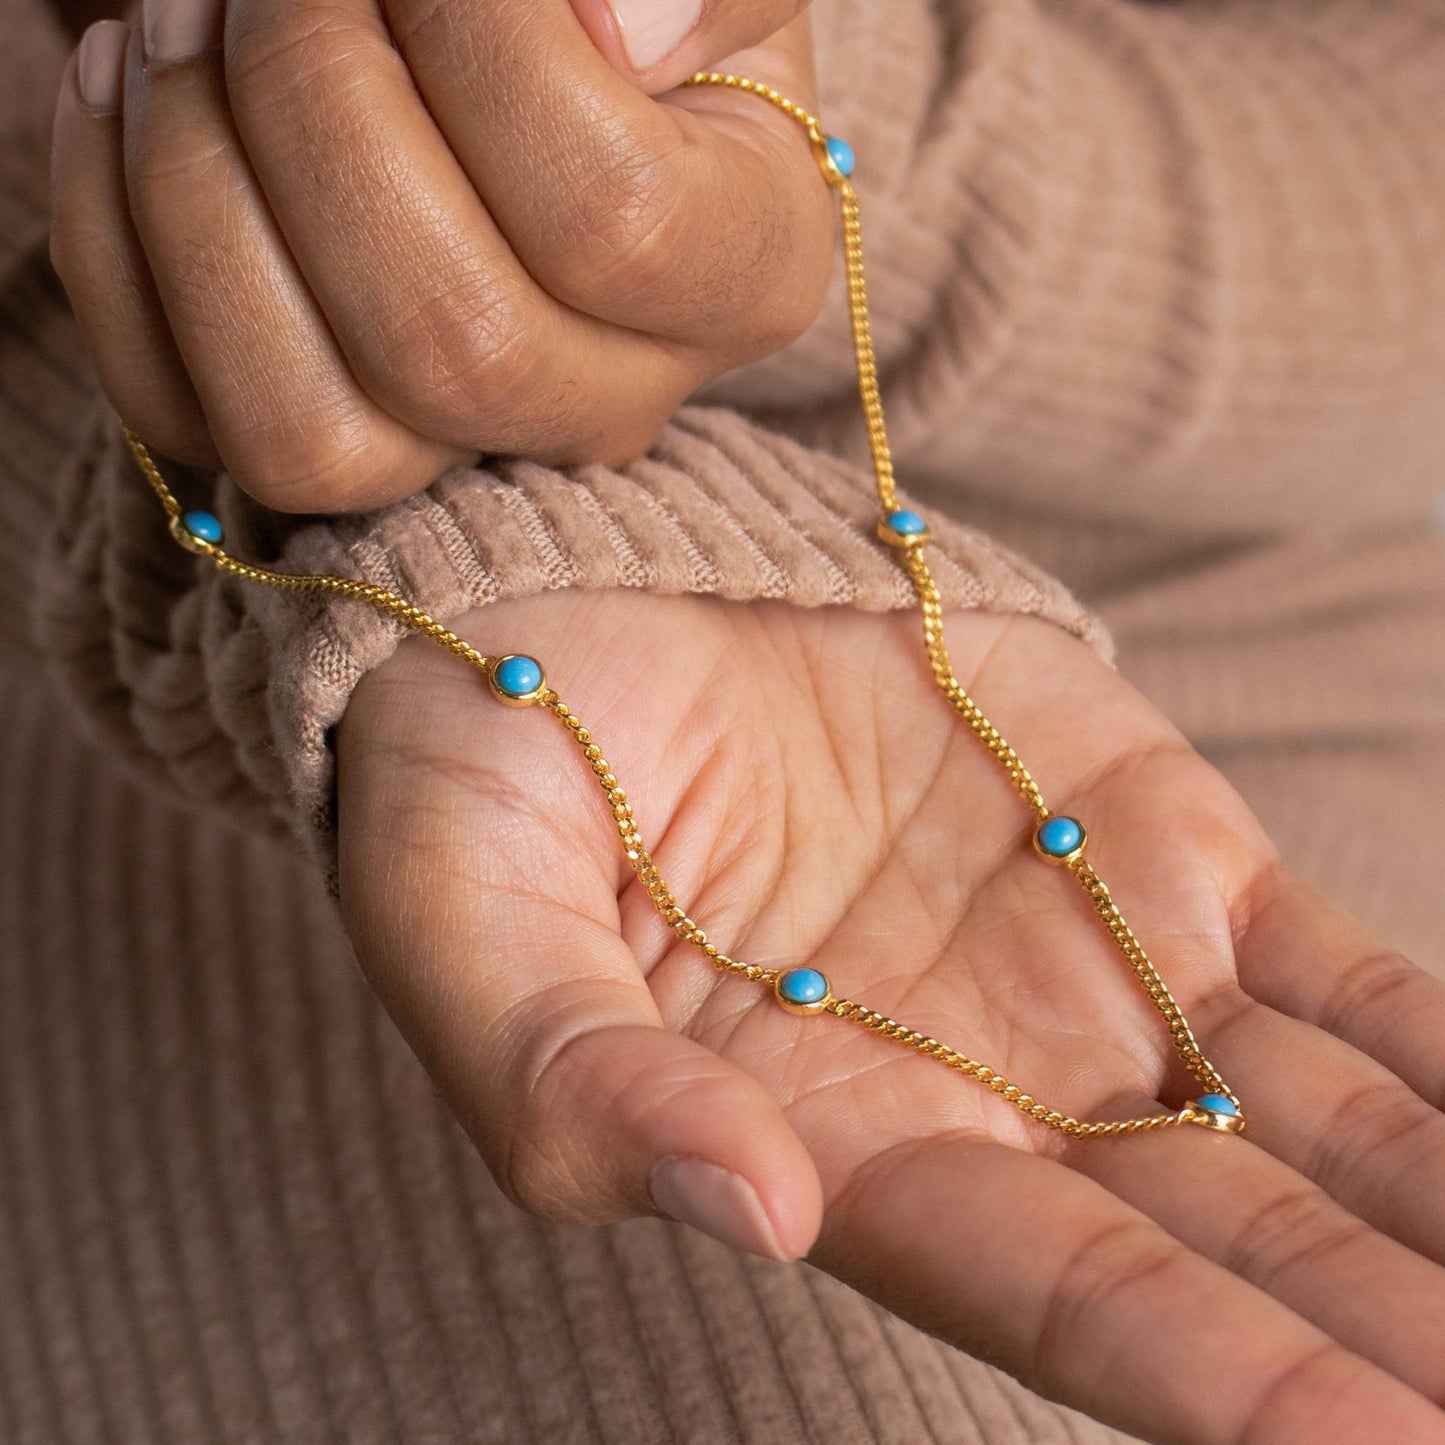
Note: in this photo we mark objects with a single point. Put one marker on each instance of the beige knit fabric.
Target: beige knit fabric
(230, 692)
(1160, 290)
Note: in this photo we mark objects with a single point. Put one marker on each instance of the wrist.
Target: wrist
(232, 693)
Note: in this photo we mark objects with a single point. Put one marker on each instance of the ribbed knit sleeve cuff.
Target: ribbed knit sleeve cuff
(230, 692)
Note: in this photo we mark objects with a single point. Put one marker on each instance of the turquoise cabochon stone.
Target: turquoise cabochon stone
(518, 676)
(841, 154)
(204, 526)
(803, 985)
(906, 523)
(1058, 837)
(1218, 1104)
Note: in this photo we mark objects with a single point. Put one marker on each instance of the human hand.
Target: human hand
(812, 799)
(365, 240)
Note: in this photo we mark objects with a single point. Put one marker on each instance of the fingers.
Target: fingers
(357, 298)
(1340, 1119)
(643, 214)
(286, 415)
(1236, 1205)
(1045, 1273)
(439, 321)
(294, 426)
(1305, 956)
(98, 256)
(490, 930)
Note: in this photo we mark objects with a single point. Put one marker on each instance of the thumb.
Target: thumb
(661, 42)
(491, 933)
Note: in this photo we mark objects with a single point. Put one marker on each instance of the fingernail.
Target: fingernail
(716, 1201)
(652, 29)
(100, 63)
(176, 29)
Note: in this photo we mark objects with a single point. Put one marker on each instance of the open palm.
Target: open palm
(811, 798)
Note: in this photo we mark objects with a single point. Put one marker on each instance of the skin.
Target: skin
(548, 277)
(812, 799)
(809, 795)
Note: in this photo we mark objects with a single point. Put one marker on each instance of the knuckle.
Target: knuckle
(86, 258)
(648, 242)
(559, 1157)
(460, 363)
(1293, 1231)
(788, 292)
(1365, 1134)
(538, 1177)
(628, 230)
(308, 463)
(75, 220)
(1366, 986)
(1314, 1375)
(298, 48)
(1110, 1263)
(781, 263)
(541, 1167)
(198, 276)
(412, 20)
(162, 159)
(641, 244)
(533, 1175)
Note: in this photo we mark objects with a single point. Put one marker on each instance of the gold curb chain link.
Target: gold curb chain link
(200, 533)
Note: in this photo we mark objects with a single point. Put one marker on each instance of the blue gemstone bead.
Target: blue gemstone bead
(203, 526)
(906, 524)
(518, 676)
(1058, 837)
(841, 154)
(1218, 1104)
(803, 985)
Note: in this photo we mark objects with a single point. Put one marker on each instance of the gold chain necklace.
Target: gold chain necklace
(519, 681)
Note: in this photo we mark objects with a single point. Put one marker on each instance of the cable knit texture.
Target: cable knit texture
(1160, 294)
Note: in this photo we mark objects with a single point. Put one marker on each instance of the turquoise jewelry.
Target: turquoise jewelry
(518, 680)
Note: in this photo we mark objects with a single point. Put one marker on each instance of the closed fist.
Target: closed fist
(337, 247)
